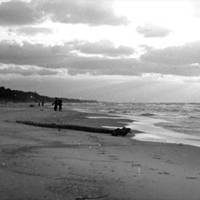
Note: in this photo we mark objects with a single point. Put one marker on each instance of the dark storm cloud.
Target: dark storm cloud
(33, 30)
(89, 12)
(18, 13)
(92, 12)
(152, 31)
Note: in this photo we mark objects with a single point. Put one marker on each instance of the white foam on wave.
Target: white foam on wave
(154, 133)
(151, 132)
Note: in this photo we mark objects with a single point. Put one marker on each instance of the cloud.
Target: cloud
(105, 48)
(175, 55)
(144, 88)
(33, 54)
(57, 56)
(28, 30)
(103, 66)
(150, 31)
(128, 66)
(18, 13)
(196, 6)
(26, 70)
(89, 12)
(182, 60)
(63, 56)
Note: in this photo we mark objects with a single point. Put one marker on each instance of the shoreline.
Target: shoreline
(152, 131)
(41, 164)
(145, 127)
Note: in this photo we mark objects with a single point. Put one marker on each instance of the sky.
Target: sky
(107, 50)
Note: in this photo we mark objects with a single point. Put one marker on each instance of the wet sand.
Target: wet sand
(41, 163)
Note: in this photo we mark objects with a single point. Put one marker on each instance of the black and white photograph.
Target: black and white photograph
(99, 99)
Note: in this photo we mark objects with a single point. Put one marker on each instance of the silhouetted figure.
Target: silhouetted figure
(60, 104)
(55, 103)
(42, 103)
(39, 103)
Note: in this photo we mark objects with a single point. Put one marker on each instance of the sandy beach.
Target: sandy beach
(42, 163)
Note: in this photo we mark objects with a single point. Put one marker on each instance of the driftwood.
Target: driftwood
(116, 132)
(121, 131)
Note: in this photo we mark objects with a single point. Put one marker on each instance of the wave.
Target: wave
(180, 122)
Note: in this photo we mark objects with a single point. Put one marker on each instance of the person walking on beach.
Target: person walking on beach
(55, 103)
(60, 104)
(42, 103)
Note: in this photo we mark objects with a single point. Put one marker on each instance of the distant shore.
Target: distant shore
(43, 163)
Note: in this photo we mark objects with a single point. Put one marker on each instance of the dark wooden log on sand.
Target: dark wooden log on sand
(116, 132)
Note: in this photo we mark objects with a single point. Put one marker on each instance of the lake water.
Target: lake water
(159, 122)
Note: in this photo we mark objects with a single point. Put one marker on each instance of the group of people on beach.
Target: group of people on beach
(57, 104)
(41, 103)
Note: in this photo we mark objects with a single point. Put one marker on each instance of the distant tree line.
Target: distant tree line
(7, 94)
